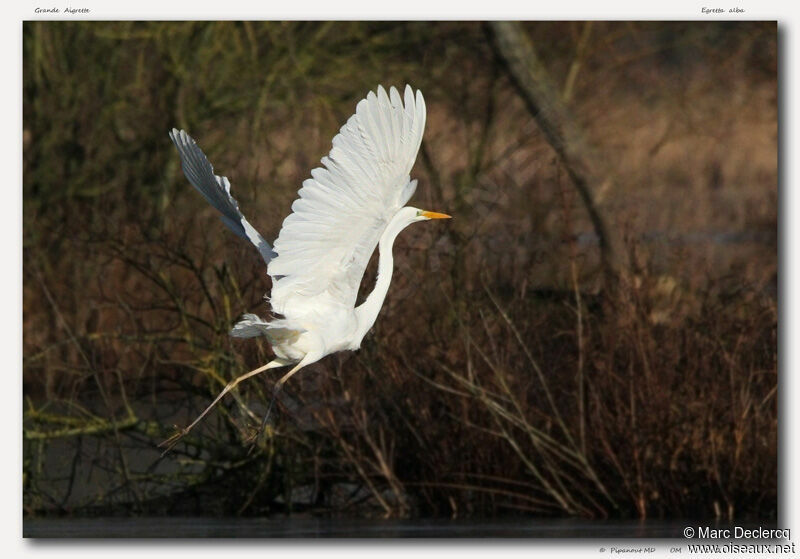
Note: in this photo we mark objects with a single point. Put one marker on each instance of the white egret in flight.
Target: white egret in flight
(352, 203)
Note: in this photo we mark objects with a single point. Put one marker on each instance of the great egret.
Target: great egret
(350, 205)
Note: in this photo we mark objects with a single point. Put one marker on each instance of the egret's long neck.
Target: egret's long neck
(367, 312)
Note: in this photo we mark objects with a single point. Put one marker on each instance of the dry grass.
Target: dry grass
(498, 379)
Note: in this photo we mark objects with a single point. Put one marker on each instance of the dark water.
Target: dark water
(338, 528)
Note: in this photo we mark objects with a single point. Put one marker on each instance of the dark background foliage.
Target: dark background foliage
(500, 377)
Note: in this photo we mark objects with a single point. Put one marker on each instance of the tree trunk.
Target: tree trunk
(581, 161)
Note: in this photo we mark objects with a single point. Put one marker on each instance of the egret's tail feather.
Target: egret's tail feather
(276, 331)
(249, 327)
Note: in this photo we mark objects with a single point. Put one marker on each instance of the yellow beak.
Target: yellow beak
(435, 215)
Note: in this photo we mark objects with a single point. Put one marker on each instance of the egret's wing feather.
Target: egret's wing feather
(216, 190)
(325, 244)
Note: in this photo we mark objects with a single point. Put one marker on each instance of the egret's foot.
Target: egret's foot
(173, 440)
(259, 438)
(275, 391)
(252, 442)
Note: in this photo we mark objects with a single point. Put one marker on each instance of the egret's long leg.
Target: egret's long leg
(170, 442)
(276, 390)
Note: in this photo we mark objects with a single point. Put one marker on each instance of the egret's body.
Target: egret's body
(350, 205)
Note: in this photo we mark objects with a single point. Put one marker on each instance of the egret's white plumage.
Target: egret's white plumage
(350, 205)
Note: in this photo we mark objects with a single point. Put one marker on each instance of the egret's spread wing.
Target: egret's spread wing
(216, 190)
(325, 244)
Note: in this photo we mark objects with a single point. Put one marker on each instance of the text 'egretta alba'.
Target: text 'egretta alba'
(350, 205)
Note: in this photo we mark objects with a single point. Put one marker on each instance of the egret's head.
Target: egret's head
(408, 215)
(424, 215)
